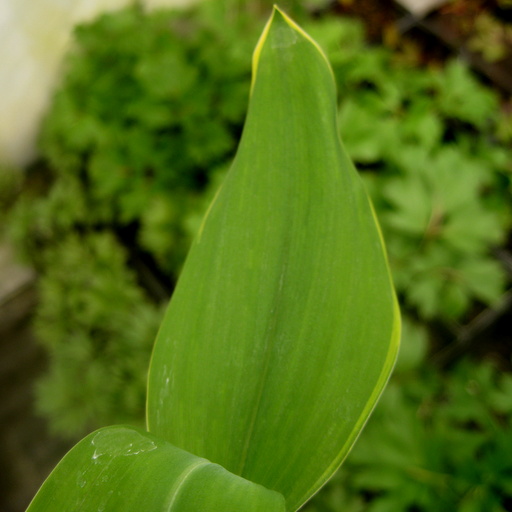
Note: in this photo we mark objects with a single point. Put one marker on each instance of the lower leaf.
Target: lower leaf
(124, 468)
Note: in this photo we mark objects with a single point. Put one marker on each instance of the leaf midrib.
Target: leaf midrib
(175, 489)
(270, 331)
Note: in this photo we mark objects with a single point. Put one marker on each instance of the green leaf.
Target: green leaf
(455, 86)
(412, 204)
(354, 121)
(424, 127)
(283, 328)
(485, 278)
(123, 468)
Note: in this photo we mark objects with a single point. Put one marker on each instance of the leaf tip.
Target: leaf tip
(296, 30)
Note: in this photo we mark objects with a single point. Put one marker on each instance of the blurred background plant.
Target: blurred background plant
(138, 137)
(435, 442)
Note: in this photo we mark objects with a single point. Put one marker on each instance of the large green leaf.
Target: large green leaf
(283, 328)
(125, 469)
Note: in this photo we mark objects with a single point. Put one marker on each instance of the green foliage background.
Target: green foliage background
(138, 137)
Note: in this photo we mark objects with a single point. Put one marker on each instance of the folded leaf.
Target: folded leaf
(284, 327)
(126, 469)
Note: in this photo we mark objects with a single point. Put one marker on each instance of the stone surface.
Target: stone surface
(27, 452)
(13, 276)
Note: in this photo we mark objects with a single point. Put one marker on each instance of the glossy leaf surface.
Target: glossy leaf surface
(125, 469)
(284, 327)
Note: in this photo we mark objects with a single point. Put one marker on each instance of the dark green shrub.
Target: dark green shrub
(98, 327)
(434, 443)
(149, 106)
